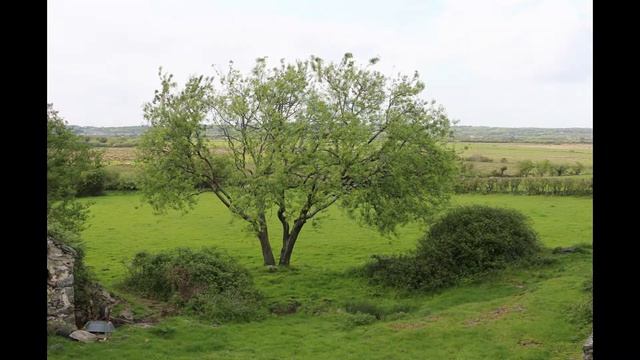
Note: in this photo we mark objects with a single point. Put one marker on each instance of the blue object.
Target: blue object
(104, 327)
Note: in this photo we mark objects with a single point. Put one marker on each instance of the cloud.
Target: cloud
(488, 62)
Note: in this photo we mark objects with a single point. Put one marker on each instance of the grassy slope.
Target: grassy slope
(521, 314)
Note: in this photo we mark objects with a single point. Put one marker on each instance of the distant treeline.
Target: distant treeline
(531, 135)
(132, 131)
(526, 186)
(460, 133)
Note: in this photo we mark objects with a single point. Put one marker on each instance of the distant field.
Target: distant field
(567, 154)
(512, 152)
(119, 156)
(461, 133)
(521, 314)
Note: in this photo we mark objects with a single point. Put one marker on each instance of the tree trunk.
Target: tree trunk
(267, 253)
(287, 247)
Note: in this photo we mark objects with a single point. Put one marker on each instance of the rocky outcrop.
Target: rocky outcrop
(94, 304)
(588, 348)
(83, 336)
(72, 301)
(60, 291)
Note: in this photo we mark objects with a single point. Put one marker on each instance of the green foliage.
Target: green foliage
(120, 179)
(120, 226)
(68, 158)
(111, 141)
(568, 186)
(526, 167)
(233, 305)
(204, 283)
(543, 167)
(92, 183)
(359, 319)
(289, 306)
(299, 138)
(578, 168)
(468, 241)
(560, 169)
(480, 158)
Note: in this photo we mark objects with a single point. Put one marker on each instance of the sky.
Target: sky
(506, 63)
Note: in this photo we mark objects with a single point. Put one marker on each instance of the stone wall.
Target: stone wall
(60, 297)
(588, 348)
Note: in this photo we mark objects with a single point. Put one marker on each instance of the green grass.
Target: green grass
(518, 314)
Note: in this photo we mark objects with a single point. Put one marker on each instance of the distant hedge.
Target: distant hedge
(525, 186)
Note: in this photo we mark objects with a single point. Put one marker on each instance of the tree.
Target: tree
(578, 168)
(68, 158)
(298, 139)
(526, 167)
(543, 167)
(560, 169)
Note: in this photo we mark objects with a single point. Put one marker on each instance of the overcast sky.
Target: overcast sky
(513, 63)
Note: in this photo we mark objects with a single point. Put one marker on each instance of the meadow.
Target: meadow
(521, 313)
(512, 153)
(121, 159)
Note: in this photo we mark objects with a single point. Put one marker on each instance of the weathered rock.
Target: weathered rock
(83, 336)
(59, 327)
(587, 348)
(96, 305)
(126, 314)
(67, 300)
(60, 293)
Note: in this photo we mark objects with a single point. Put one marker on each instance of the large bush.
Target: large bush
(92, 183)
(466, 242)
(121, 178)
(205, 283)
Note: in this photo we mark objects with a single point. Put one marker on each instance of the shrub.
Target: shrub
(117, 179)
(286, 307)
(526, 167)
(91, 183)
(578, 168)
(204, 283)
(468, 241)
(526, 186)
(359, 319)
(480, 158)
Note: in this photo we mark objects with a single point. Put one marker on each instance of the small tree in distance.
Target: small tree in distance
(298, 139)
(526, 167)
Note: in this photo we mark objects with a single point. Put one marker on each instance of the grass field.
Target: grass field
(567, 154)
(519, 314)
(513, 153)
